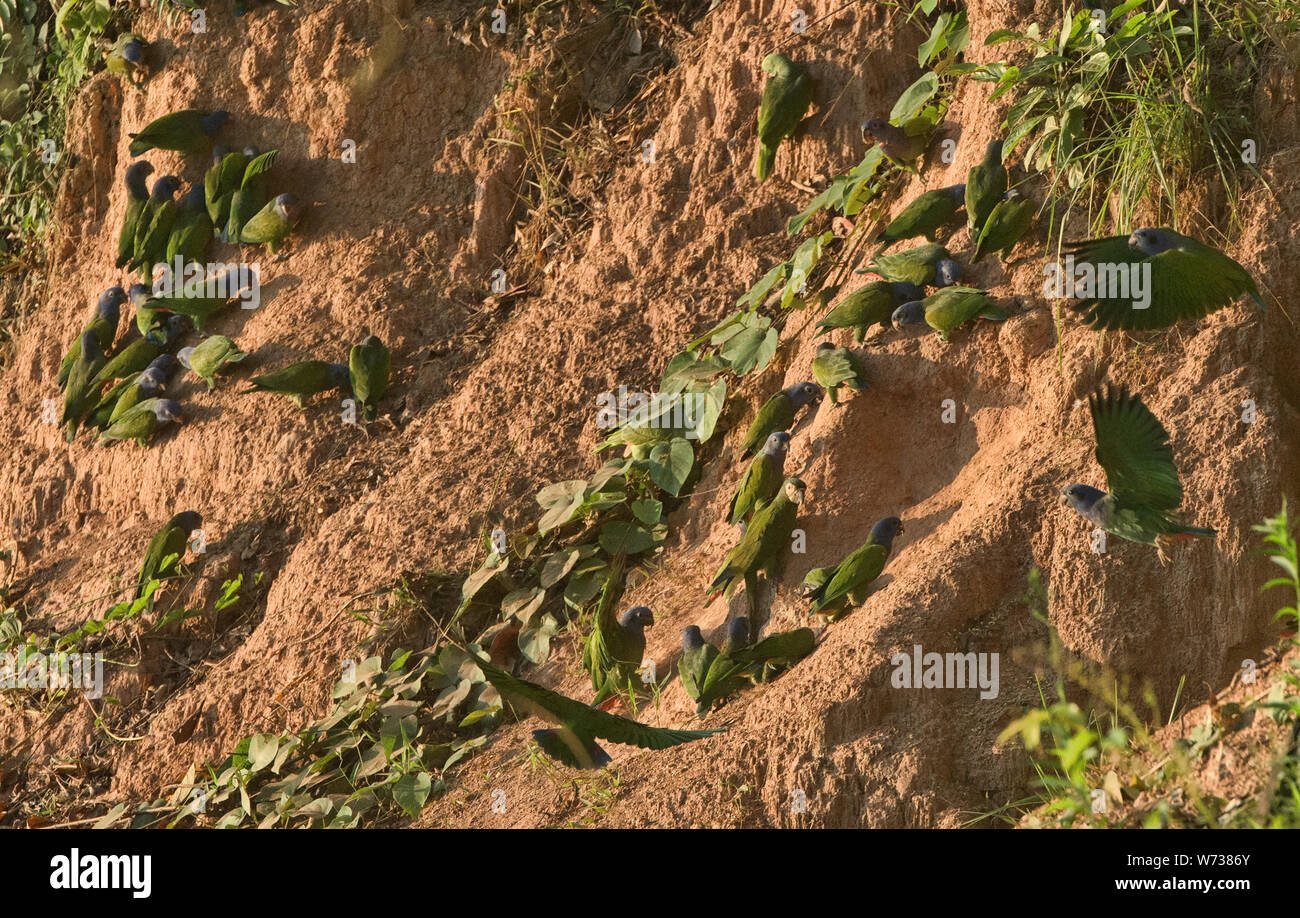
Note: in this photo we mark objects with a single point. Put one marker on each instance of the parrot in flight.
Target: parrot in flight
(948, 308)
(1133, 450)
(986, 183)
(1188, 279)
(778, 413)
(762, 479)
(573, 742)
(786, 98)
(832, 590)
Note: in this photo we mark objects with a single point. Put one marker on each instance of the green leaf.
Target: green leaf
(557, 566)
(411, 791)
(914, 98)
(535, 639)
(622, 537)
(261, 750)
(752, 348)
(757, 294)
(670, 464)
(648, 511)
(937, 41)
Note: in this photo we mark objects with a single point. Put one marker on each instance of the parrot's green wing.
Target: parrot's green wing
(839, 367)
(985, 184)
(922, 217)
(601, 656)
(869, 305)
(786, 98)
(693, 668)
(1009, 221)
(582, 718)
(852, 574)
(761, 482)
(915, 265)
(1133, 449)
(784, 648)
(171, 540)
(953, 306)
(776, 414)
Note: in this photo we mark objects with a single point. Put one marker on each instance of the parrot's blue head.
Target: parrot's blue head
(872, 129)
(958, 192)
(946, 273)
(251, 152)
(110, 301)
(214, 121)
(692, 639)
(371, 341)
(804, 393)
(912, 313)
(886, 530)
(162, 366)
(1012, 194)
(794, 490)
(1150, 241)
(994, 149)
(1081, 497)
(824, 347)
(288, 209)
(905, 292)
(150, 383)
(140, 294)
(132, 51)
(166, 187)
(90, 346)
(776, 444)
(176, 327)
(738, 631)
(338, 374)
(195, 197)
(219, 153)
(167, 410)
(187, 520)
(637, 618)
(136, 173)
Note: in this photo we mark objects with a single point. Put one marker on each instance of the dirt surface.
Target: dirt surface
(495, 396)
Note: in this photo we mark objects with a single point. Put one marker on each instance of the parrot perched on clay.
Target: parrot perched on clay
(902, 146)
(786, 97)
(924, 216)
(1008, 222)
(838, 366)
(301, 380)
(137, 197)
(192, 232)
(613, 650)
(1133, 450)
(151, 237)
(369, 366)
(169, 541)
(573, 742)
(81, 391)
(272, 223)
(250, 196)
(1188, 279)
(848, 581)
(187, 131)
(925, 265)
(221, 181)
(777, 413)
(103, 322)
(136, 356)
(762, 479)
(948, 308)
(142, 422)
(871, 304)
(761, 548)
(213, 353)
(986, 183)
(130, 391)
(125, 57)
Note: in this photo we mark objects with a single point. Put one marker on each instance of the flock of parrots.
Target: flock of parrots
(1189, 280)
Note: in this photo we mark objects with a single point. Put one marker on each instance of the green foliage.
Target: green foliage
(1281, 549)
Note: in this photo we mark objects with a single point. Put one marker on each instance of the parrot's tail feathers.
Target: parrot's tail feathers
(766, 159)
(1254, 295)
(993, 314)
(1187, 533)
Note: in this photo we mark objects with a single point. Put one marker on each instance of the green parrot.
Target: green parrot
(724, 674)
(1188, 279)
(186, 131)
(147, 320)
(198, 309)
(574, 742)
(778, 413)
(1133, 450)
(1010, 220)
(761, 548)
(948, 308)
(103, 322)
(786, 98)
(249, 198)
(192, 232)
(697, 657)
(130, 391)
(272, 223)
(141, 422)
(301, 380)
(151, 244)
(369, 365)
(220, 182)
(848, 581)
(869, 305)
(162, 559)
(614, 649)
(924, 216)
(211, 355)
(101, 415)
(838, 366)
(137, 196)
(762, 479)
(986, 183)
(81, 392)
(137, 355)
(776, 653)
(126, 58)
(902, 146)
(925, 265)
